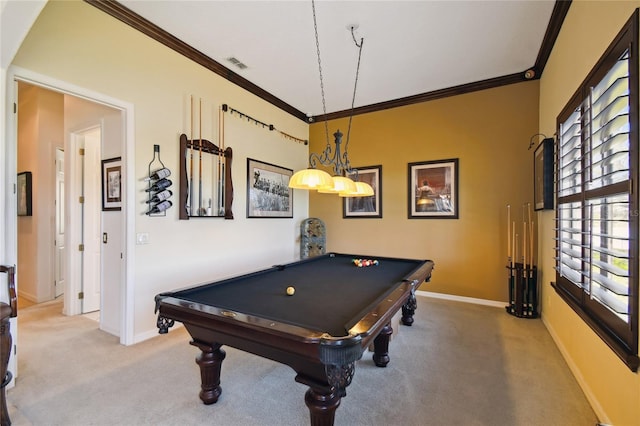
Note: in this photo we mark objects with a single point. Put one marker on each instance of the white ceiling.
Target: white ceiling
(410, 47)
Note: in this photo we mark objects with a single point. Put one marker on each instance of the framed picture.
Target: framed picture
(268, 192)
(433, 189)
(24, 194)
(112, 184)
(543, 175)
(365, 207)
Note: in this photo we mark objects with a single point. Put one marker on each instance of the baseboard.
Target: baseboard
(593, 401)
(453, 298)
(153, 333)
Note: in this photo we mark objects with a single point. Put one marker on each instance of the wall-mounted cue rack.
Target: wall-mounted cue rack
(206, 188)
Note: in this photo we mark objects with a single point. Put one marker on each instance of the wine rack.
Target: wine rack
(158, 189)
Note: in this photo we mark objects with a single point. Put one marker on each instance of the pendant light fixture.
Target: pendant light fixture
(316, 179)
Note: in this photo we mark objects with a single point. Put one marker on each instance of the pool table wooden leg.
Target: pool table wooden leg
(408, 309)
(322, 404)
(210, 362)
(381, 346)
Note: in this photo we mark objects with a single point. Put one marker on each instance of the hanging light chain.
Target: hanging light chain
(353, 100)
(340, 162)
(324, 105)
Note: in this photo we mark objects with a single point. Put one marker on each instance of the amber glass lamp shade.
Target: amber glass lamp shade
(362, 190)
(310, 179)
(340, 184)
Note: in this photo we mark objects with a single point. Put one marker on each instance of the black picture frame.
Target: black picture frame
(112, 184)
(433, 189)
(24, 194)
(365, 207)
(543, 175)
(268, 192)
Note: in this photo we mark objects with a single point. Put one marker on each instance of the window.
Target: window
(597, 198)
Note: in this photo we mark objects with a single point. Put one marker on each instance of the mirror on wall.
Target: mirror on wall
(206, 189)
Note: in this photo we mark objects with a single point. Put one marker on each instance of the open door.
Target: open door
(91, 225)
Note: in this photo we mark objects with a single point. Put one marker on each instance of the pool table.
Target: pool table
(335, 312)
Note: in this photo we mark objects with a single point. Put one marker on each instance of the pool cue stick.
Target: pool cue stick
(190, 204)
(533, 285)
(531, 229)
(509, 259)
(509, 233)
(221, 166)
(526, 266)
(200, 208)
(213, 169)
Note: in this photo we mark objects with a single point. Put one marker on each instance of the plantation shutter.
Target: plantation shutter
(597, 210)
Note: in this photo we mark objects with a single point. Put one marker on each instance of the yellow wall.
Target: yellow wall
(614, 391)
(489, 132)
(41, 120)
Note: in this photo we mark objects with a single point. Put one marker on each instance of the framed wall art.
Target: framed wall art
(433, 189)
(112, 184)
(543, 175)
(268, 192)
(24, 194)
(365, 207)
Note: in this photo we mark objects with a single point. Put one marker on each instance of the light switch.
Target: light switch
(142, 238)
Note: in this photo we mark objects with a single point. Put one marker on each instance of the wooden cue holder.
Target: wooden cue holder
(523, 291)
(207, 147)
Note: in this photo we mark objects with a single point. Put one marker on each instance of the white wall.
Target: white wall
(76, 43)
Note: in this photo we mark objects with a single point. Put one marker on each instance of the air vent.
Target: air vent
(237, 63)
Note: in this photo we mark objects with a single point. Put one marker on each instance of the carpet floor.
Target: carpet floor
(459, 364)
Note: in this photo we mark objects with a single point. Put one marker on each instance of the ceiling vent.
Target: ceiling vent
(237, 63)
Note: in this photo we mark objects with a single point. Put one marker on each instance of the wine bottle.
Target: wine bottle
(160, 196)
(160, 185)
(159, 174)
(160, 207)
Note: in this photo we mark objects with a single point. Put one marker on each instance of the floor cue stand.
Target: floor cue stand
(523, 291)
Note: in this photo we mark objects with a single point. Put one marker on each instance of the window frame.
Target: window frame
(621, 337)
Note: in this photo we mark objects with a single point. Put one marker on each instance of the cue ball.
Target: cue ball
(290, 291)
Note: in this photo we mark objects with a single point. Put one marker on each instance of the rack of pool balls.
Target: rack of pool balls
(361, 263)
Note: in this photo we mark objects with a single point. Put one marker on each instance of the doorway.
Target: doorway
(73, 141)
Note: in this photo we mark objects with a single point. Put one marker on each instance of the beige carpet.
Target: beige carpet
(459, 364)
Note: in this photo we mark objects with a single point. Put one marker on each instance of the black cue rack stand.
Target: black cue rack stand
(154, 181)
(523, 291)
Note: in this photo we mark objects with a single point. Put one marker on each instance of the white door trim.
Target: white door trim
(60, 248)
(128, 160)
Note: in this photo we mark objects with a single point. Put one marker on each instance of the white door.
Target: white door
(60, 244)
(91, 214)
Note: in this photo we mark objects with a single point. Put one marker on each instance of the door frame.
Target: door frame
(59, 271)
(16, 74)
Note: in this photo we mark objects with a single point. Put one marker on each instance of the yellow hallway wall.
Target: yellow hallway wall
(489, 132)
(613, 390)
